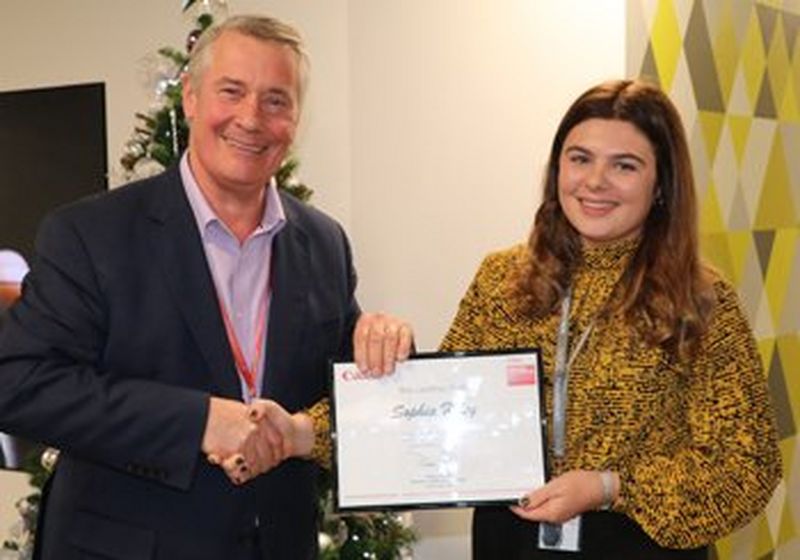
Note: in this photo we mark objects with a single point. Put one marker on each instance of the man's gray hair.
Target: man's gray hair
(263, 28)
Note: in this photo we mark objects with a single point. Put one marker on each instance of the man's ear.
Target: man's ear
(188, 96)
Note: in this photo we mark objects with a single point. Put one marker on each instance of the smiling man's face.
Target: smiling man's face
(243, 112)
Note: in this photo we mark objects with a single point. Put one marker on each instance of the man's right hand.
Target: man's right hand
(236, 442)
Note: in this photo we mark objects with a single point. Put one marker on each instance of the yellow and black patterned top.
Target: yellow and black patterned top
(322, 451)
(694, 445)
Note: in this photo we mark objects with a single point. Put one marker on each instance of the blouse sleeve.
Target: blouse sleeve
(725, 471)
(476, 324)
(322, 452)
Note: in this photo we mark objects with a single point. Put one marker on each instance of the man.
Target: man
(154, 311)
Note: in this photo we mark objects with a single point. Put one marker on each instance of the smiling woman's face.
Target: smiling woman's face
(606, 180)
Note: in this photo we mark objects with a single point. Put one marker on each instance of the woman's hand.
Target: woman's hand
(566, 496)
(277, 436)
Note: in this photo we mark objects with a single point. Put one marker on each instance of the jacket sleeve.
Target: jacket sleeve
(724, 474)
(55, 387)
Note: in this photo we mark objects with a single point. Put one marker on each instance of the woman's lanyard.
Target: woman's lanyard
(248, 372)
(562, 367)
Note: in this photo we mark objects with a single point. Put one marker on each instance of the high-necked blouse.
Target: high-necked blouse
(694, 443)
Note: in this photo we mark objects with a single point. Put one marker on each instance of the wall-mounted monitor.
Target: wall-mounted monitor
(52, 151)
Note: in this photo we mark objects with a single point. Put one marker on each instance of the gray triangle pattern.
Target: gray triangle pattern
(765, 106)
(764, 241)
(790, 133)
(790, 316)
(766, 17)
(780, 397)
(791, 27)
(649, 69)
(698, 51)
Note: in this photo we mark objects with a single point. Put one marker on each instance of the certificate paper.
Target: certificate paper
(444, 430)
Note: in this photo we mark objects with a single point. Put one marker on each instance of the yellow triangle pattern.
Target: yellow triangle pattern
(779, 270)
(766, 346)
(775, 208)
(795, 70)
(778, 62)
(726, 52)
(714, 247)
(711, 124)
(711, 220)
(789, 348)
(740, 128)
(787, 530)
(787, 446)
(788, 109)
(666, 41)
(725, 548)
(764, 544)
(741, 248)
(753, 58)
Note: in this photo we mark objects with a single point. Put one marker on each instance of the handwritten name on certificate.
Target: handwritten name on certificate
(443, 431)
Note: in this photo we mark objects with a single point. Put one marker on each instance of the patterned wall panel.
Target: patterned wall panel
(733, 69)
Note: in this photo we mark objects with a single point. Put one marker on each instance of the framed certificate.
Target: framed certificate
(444, 430)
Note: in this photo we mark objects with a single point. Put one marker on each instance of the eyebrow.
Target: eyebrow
(227, 80)
(616, 156)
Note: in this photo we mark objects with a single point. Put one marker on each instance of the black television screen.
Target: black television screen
(52, 151)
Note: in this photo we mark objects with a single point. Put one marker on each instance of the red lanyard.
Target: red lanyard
(248, 373)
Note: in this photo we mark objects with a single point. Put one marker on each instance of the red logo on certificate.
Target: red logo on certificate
(520, 374)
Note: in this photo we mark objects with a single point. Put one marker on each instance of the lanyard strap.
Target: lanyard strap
(248, 372)
(562, 367)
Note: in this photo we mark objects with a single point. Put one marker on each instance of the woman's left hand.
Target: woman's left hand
(564, 497)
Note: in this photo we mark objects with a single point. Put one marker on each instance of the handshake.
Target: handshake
(249, 440)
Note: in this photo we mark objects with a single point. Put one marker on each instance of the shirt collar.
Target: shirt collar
(272, 220)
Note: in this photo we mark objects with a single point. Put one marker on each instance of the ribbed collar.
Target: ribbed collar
(613, 255)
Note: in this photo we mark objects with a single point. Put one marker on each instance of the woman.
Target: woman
(666, 418)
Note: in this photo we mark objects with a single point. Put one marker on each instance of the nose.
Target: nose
(248, 116)
(596, 176)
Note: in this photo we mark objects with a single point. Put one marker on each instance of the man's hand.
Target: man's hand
(239, 444)
(296, 431)
(379, 341)
(277, 436)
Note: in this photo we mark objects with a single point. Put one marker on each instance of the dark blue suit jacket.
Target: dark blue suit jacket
(111, 356)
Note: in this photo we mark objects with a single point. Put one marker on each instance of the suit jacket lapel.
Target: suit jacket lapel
(178, 251)
(289, 303)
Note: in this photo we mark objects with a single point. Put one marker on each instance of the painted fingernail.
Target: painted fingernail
(240, 460)
(524, 502)
(243, 469)
(253, 414)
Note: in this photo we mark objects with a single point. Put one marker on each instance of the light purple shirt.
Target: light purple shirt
(240, 271)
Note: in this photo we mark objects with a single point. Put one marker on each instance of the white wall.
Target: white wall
(454, 104)
(426, 128)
